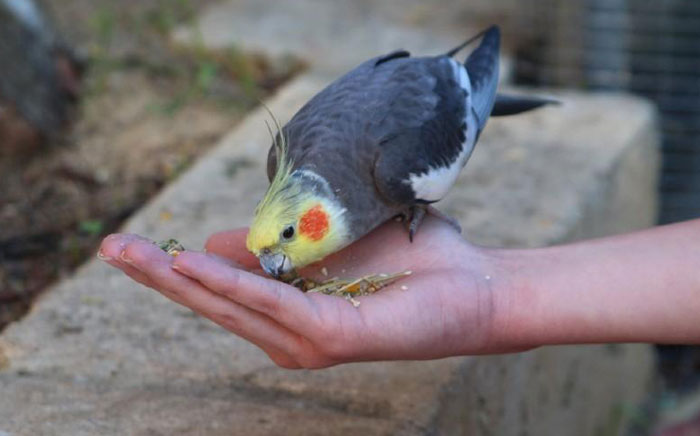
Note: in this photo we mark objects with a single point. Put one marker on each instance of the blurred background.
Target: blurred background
(648, 48)
(100, 108)
(98, 111)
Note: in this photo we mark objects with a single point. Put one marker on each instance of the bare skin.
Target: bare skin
(461, 299)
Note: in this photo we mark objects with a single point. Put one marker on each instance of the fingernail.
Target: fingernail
(123, 258)
(101, 256)
(175, 267)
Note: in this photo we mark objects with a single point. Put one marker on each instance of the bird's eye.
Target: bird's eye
(288, 233)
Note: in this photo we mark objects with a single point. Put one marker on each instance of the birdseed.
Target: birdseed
(349, 289)
(171, 246)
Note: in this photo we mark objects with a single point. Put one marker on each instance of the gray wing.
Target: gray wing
(423, 129)
(420, 162)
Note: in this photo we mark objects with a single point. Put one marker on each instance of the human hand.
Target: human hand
(445, 307)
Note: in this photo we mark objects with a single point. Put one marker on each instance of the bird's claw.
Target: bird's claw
(417, 216)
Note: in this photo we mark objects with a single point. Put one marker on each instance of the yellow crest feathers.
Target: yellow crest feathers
(275, 207)
(283, 164)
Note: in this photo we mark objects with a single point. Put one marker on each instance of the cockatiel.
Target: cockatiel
(386, 139)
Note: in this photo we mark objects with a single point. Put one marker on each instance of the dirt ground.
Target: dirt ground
(149, 108)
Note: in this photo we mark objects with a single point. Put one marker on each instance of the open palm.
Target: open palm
(445, 307)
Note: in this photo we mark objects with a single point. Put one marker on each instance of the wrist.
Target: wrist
(494, 299)
(516, 320)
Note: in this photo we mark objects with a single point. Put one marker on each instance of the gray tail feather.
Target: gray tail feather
(457, 49)
(482, 67)
(514, 104)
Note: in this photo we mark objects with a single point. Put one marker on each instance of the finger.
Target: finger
(132, 272)
(280, 302)
(278, 356)
(111, 252)
(231, 245)
(113, 245)
(247, 323)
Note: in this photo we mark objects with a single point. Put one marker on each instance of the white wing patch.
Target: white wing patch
(436, 183)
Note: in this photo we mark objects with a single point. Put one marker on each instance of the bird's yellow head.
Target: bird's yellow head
(299, 221)
(296, 225)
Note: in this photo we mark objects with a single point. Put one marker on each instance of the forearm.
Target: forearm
(639, 287)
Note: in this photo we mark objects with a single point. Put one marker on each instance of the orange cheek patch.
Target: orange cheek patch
(314, 223)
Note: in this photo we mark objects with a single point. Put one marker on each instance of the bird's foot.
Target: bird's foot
(417, 215)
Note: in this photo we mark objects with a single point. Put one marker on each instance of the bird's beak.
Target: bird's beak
(276, 264)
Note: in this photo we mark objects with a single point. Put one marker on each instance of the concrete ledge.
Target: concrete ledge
(336, 35)
(333, 35)
(100, 355)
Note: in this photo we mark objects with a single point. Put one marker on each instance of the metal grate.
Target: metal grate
(647, 47)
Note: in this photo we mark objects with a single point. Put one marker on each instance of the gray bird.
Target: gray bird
(388, 138)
